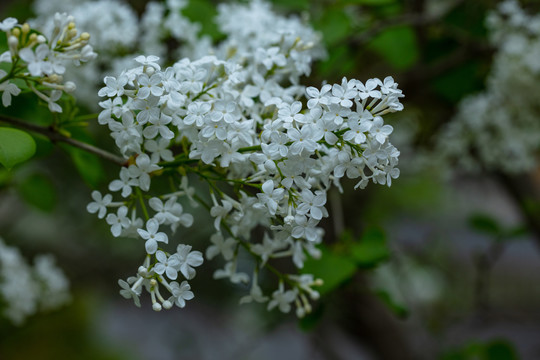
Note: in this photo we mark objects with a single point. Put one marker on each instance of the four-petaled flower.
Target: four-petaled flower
(152, 236)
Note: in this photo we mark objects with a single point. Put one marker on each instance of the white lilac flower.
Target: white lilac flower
(188, 260)
(237, 117)
(167, 264)
(129, 293)
(270, 197)
(25, 290)
(8, 24)
(124, 183)
(8, 90)
(230, 273)
(282, 299)
(152, 236)
(255, 294)
(141, 169)
(100, 203)
(498, 129)
(37, 66)
(181, 293)
(118, 221)
(225, 247)
(54, 283)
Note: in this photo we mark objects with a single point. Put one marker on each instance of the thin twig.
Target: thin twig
(54, 136)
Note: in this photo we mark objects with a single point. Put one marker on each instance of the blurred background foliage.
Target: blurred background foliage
(431, 268)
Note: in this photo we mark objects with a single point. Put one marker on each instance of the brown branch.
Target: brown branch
(54, 136)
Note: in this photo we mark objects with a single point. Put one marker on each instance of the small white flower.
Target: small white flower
(181, 293)
(188, 259)
(282, 299)
(168, 265)
(152, 236)
(8, 24)
(100, 203)
(119, 221)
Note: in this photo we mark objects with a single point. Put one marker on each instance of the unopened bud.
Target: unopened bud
(70, 87)
(13, 44)
(85, 36)
(167, 304)
(25, 28)
(71, 25)
(150, 71)
(156, 306)
(41, 39)
(16, 32)
(54, 78)
(71, 33)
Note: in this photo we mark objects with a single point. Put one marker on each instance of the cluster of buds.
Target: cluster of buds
(39, 61)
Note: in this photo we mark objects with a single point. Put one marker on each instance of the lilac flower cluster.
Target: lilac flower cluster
(284, 156)
(40, 60)
(498, 129)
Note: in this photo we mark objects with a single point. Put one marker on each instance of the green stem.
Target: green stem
(249, 148)
(143, 205)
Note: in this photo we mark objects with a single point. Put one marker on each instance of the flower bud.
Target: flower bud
(150, 71)
(13, 44)
(167, 304)
(142, 271)
(25, 28)
(70, 87)
(71, 33)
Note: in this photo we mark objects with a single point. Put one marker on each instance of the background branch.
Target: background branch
(54, 136)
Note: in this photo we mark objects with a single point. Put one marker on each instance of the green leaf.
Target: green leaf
(37, 190)
(334, 269)
(460, 81)
(397, 46)
(334, 25)
(515, 232)
(340, 61)
(5, 177)
(203, 12)
(485, 224)
(310, 321)
(398, 309)
(16, 146)
(89, 166)
(371, 249)
(500, 350)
